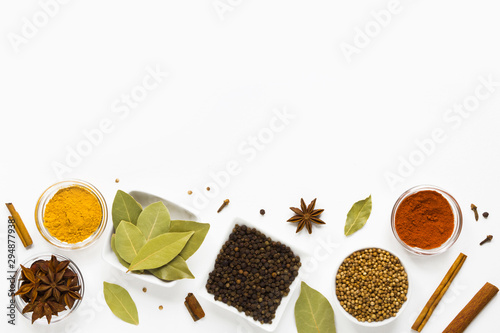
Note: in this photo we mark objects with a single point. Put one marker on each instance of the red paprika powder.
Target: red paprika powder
(425, 220)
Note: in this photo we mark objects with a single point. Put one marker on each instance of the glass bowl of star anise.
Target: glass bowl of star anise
(48, 286)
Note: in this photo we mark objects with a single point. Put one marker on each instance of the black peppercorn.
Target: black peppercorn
(252, 273)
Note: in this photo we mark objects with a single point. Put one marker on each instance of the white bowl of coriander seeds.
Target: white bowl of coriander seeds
(371, 287)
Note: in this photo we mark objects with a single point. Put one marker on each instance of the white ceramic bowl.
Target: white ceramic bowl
(284, 301)
(347, 314)
(177, 212)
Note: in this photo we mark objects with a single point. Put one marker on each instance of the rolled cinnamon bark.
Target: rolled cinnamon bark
(472, 309)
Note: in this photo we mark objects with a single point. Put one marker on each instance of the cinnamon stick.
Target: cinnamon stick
(194, 307)
(21, 230)
(472, 309)
(438, 294)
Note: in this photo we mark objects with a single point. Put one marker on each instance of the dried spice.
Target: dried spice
(19, 226)
(433, 302)
(154, 243)
(252, 273)
(48, 286)
(474, 209)
(125, 208)
(160, 250)
(486, 214)
(487, 239)
(262, 212)
(120, 303)
(371, 285)
(425, 220)
(306, 216)
(73, 214)
(358, 215)
(472, 309)
(190, 192)
(224, 204)
(194, 308)
(313, 312)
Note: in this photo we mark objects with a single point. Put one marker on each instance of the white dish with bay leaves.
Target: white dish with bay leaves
(284, 301)
(177, 214)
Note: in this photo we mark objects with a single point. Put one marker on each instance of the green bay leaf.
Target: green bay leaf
(313, 312)
(125, 208)
(129, 241)
(154, 220)
(120, 303)
(113, 247)
(358, 215)
(160, 250)
(177, 269)
(194, 243)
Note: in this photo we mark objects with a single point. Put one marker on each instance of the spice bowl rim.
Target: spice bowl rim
(303, 254)
(20, 303)
(45, 198)
(347, 314)
(177, 212)
(457, 214)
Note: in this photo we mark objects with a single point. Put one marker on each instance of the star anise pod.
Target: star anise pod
(52, 284)
(306, 216)
(72, 295)
(48, 287)
(28, 289)
(43, 308)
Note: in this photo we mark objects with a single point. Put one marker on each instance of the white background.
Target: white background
(354, 122)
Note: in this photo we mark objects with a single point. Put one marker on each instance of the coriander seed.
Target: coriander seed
(371, 285)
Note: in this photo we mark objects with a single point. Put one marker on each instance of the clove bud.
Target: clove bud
(224, 204)
(487, 239)
(474, 209)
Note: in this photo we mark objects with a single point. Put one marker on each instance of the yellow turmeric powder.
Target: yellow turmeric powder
(73, 214)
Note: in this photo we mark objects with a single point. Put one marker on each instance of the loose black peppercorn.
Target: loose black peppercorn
(262, 212)
(253, 273)
(486, 214)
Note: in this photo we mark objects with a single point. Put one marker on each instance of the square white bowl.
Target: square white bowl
(177, 212)
(284, 301)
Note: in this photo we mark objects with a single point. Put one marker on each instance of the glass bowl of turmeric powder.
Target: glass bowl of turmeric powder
(71, 214)
(426, 220)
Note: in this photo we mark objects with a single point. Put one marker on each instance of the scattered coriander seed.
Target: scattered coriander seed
(208, 188)
(160, 307)
(252, 273)
(117, 180)
(190, 192)
(486, 214)
(371, 285)
(262, 212)
(144, 289)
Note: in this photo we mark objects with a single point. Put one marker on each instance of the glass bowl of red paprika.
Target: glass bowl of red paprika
(426, 220)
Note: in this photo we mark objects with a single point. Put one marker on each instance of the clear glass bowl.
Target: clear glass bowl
(372, 324)
(457, 213)
(45, 198)
(20, 303)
